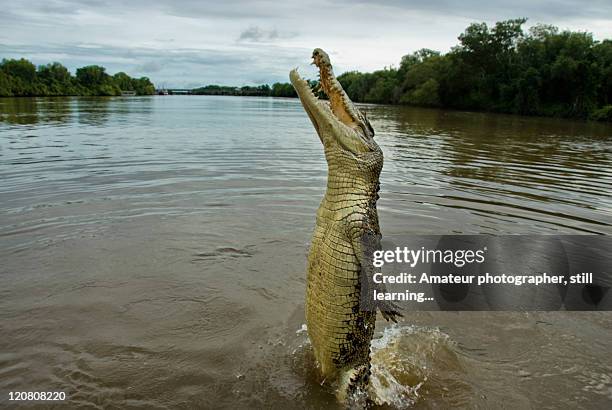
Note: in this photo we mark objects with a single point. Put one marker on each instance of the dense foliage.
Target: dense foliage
(498, 68)
(21, 78)
(262, 90)
(277, 90)
(502, 69)
(283, 90)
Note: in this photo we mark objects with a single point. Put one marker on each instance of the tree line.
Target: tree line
(277, 90)
(500, 68)
(21, 78)
(259, 91)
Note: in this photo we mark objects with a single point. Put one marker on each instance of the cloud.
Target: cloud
(500, 9)
(150, 67)
(238, 42)
(258, 35)
(171, 67)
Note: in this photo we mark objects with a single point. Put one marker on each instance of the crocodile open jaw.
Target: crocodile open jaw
(336, 120)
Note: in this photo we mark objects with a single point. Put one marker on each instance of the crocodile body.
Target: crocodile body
(345, 234)
(341, 333)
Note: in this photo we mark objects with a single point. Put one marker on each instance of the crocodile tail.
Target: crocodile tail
(353, 389)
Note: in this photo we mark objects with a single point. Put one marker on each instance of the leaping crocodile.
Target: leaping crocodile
(346, 233)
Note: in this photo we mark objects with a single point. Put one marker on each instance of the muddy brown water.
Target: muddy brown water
(153, 253)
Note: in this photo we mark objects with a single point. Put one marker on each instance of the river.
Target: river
(154, 249)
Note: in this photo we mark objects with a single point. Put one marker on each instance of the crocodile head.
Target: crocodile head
(340, 125)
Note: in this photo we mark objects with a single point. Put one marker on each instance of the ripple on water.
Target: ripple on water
(136, 192)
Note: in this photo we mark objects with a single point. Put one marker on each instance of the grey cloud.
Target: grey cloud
(153, 58)
(150, 67)
(172, 68)
(256, 34)
(548, 10)
(270, 9)
(184, 8)
(57, 8)
(228, 8)
(245, 42)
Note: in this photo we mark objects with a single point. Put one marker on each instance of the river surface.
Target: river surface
(153, 253)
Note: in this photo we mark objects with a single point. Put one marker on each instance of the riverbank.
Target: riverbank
(503, 68)
(21, 78)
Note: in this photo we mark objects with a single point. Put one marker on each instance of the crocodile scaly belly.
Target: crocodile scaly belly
(339, 332)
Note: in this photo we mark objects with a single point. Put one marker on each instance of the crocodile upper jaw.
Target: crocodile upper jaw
(337, 121)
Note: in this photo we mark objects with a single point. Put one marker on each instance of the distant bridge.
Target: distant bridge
(173, 91)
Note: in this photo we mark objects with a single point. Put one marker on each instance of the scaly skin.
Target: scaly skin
(346, 232)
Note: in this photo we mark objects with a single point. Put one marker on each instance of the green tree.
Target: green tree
(425, 94)
(495, 67)
(603, 56)
(123, 81)
(56, 79)
(282, 90)
(421, 78)
(96, 81)
(356, 84)
(383, 87)
(22, 76)
(143, 86)
(21, 68)
(5, 85)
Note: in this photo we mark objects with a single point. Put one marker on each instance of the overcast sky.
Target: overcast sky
(187, 43)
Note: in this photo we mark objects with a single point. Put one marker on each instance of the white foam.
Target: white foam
(402, 353)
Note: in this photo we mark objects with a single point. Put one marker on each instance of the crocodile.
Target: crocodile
(346, 234)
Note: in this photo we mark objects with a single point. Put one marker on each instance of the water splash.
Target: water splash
(409, 364)
(404, 358)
